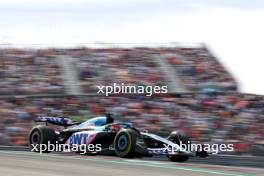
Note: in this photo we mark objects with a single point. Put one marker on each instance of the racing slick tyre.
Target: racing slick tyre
(125, 143)
(42, 135)
(178, 137)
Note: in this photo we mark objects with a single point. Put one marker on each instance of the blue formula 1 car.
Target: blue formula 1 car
(117, 138)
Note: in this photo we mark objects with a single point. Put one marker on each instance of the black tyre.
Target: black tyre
(179, 137)
(42, 135)
(125, 143)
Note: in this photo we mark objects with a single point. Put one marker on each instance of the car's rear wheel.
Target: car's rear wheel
(41, 135)
(125, 143)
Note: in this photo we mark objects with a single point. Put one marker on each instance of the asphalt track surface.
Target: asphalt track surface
(24, 163)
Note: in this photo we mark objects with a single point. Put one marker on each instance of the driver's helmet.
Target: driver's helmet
(109, 118)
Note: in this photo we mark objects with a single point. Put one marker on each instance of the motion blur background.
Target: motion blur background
(54, 53)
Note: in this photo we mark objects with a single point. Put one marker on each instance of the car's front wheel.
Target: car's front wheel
(125, 143)
(179, 138)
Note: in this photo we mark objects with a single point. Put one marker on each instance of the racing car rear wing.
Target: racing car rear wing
(59, 121)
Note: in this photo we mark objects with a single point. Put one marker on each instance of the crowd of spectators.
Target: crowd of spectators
(108, 66)
(200, 71)
(29, 72)
(234, 118)
(38, 72)
(197, 68)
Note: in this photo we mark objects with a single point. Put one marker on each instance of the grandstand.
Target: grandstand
(79, 71)
(203, 99)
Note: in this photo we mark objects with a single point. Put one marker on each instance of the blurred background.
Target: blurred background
(54, 54)
(203, 97)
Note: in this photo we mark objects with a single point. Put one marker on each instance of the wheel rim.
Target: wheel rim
(122, 143)
(35, 138)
